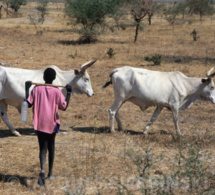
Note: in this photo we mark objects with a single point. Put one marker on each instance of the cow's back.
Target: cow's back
(158, 88)
(144, 87)
(12, 83)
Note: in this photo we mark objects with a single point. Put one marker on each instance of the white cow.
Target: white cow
(12, 85)
(146, 88)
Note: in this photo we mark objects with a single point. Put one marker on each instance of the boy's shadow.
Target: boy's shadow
(15, 178)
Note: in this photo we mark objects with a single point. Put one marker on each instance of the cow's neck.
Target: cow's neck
(193, 91)
(67, 77)
(195, 86)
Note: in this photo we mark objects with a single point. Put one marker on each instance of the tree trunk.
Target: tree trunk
(136, 31)
(201, 15)
(150, 18)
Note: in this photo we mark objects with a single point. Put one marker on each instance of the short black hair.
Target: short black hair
(49, 75)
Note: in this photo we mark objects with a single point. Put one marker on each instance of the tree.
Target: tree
(1, 7)
(140, 9)
(6, 2)
(138, 15)
(6, 8)
(150, 6)
(138, 12)
(42, 8)
(120, 13)
(91, 14)
(200, 7)
(172, 12)
(15, 4)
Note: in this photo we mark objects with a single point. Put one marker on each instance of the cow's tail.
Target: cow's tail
(106, 84)
(110, 81)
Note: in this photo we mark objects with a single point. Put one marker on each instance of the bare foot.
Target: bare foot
(41, 179)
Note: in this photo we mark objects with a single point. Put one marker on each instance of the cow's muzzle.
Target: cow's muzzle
(90, 95)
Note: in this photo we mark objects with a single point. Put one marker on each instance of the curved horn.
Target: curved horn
(209, 75)
(87, 65)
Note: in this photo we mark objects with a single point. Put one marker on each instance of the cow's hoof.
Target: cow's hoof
(16, 133)
(120, 129)
(112, 131)
(145, 133)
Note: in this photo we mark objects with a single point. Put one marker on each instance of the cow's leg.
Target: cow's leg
(153, 118)
(3, 114)
(118, 121)
(114, 111)
(175, 120)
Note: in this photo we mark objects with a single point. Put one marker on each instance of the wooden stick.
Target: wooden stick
(45, 84)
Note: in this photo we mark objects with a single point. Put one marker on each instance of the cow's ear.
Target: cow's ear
(76, 72)
(203, 80)
(206, 80)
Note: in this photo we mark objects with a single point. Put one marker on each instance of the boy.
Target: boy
(46, 100)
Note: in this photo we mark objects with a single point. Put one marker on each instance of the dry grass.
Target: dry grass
(88, 159)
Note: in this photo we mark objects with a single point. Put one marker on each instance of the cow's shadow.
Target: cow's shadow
(106, 130)
(23, 131)
(160, 132)
(132, 132)
(15, 178)
(93, 130)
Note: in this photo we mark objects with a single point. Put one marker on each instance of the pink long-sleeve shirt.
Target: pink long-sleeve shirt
(46, 101)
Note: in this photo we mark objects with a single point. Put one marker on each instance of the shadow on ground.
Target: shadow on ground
(82, 42)
(7, 133)
(98, 130)
(161, 132)
(15, 178)
(94, 130)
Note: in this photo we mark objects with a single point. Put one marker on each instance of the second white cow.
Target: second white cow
(146, 88)
(12, 85)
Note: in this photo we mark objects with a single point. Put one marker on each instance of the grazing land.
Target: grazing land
(89, 159)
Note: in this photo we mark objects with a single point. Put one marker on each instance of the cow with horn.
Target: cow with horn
(12, 85)
(146, 88)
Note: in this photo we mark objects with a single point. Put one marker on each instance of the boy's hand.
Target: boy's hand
(68, 88)
(28, 84)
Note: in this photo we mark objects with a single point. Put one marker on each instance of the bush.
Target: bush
(156, 59)
(110, 52)
(90, 14)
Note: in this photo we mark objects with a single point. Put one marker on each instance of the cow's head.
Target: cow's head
(208, 91)
(81, 83)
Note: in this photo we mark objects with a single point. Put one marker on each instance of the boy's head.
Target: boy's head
(49, 75)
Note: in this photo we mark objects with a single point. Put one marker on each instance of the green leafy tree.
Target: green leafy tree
(15, 4)
(121, 12)
(91, 14)
(200, 7)
(172, 12)
(43, 10)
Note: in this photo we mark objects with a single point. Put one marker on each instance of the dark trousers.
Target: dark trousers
(46, 142)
